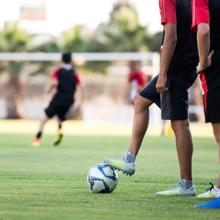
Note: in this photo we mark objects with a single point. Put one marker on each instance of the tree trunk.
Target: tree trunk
(13, 90)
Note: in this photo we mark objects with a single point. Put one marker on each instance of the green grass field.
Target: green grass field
(50, 183)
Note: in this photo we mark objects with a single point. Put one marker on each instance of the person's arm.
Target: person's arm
(168, 19)
(53, 82)
(201, 19)
(52, 86)
(169, 46)
(203, 40)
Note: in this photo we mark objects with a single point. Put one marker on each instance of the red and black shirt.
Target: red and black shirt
(68, 80)
(179, 12)
(208, 12)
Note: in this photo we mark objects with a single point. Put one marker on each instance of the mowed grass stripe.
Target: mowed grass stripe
(50, 183)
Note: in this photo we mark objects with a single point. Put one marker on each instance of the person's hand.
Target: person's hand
(161, 84)
(205, 65)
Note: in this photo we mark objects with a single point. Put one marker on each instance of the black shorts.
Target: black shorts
(212, 106)
(58, 108)
(174, 102)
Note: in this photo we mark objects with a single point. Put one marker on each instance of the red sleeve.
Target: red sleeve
(200, 13)
(78, 80)
(138, 76)
(168, 11)
(132, 76)
(54, 75)
(142, 79)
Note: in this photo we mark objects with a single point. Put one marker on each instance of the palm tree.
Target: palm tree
(13, 39)
(75, 39)
(123, 32)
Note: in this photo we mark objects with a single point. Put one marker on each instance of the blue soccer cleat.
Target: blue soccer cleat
(213, 204)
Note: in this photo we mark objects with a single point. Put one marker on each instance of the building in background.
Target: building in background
(33, 11)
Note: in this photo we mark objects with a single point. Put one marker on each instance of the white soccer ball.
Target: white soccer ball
(102, 179)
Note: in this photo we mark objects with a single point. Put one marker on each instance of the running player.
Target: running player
(168, 90)
(206, 21)
(65, 81)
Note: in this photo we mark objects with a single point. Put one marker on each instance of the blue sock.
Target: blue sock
(129, 157)
(186, 184)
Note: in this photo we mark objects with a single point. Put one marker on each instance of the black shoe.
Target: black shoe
(58, 140)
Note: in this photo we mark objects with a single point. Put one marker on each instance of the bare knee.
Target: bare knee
(179, 125)
(141, 104)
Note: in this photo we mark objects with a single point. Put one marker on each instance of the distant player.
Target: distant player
(65, 81)
(136, 78)
(168, 90)
(206, 21)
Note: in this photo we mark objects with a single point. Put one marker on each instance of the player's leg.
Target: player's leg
(61, 112)
(216, 131)
(184, 147)
(49, 112)
(214, 190)
(59, 132)
(38, 136)
(60, 126)
(212, 109)
(174, 106)
(140, 124)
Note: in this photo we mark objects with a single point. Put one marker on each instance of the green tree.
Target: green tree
(13, 39)
(155, 42)
(123, 32)
(45, 44)
(74, 40)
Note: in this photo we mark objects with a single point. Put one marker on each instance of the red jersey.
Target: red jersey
(54, 76)
(208, 12)
(185, 57)
(139, 77)
(67, 82)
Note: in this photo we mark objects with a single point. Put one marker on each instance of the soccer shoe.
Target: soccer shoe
(211, 193)
(178, 190)
(120, 164)
(58, 140)
(213, 204)
(36, 142)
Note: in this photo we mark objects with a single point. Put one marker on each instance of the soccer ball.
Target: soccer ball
(102, 179)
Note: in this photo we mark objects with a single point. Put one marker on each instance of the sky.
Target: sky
(62, 14)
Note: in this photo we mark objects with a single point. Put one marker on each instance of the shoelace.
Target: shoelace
(211, 187)
(175, 186)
